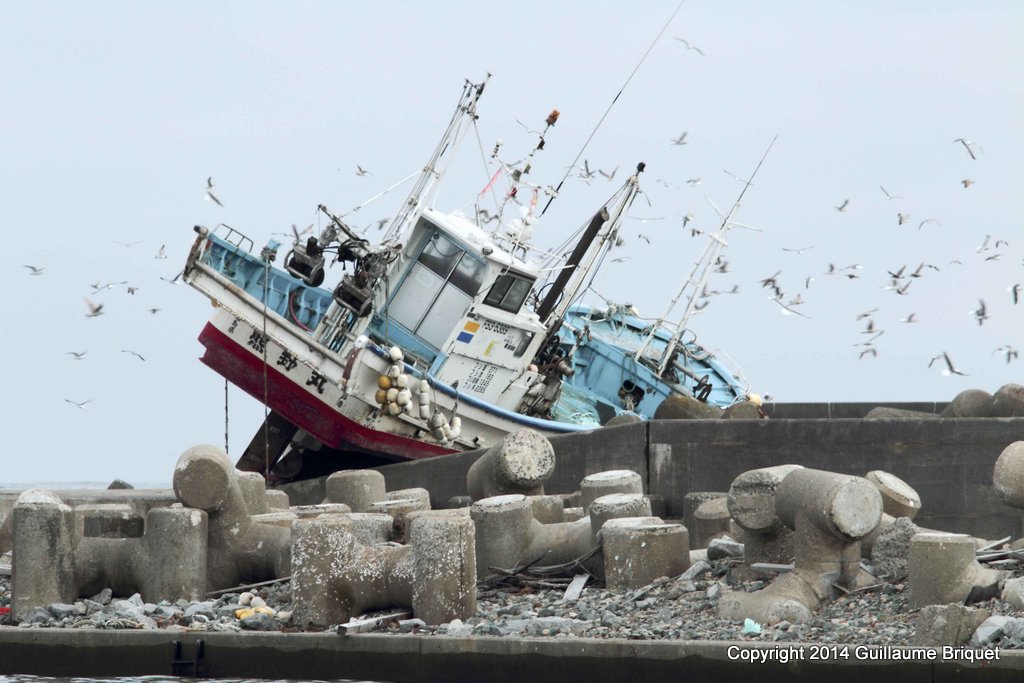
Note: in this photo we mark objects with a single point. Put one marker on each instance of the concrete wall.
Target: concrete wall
(949, 462)
(297, 656)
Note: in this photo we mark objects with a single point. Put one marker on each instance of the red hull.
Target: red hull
(244, 370)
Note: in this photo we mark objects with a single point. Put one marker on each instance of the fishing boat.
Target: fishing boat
(443, 336)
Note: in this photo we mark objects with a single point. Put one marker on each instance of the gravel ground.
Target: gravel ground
(669, 609)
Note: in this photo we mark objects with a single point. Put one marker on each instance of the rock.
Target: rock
(103, 597)
(695, 570)
(61, 610)
(259, 622)
(1008, 401)
(409, 625)
(119, 484)
(204, 609)
(969, 403)
(892, 548)
(1013, 592)
(723, 547)
(39, 615)
(941, 625)
(990, 631)
(245, 598)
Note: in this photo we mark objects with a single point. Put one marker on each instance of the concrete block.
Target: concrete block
(1008, 401)
(356, 488)
(636, 552)
(898, 498)
(335, 577)
(521, 463)
(969, 403)
(942, 569)
(239, 551)
(612, 481)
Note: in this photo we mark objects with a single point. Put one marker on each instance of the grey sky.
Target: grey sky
(114, 114)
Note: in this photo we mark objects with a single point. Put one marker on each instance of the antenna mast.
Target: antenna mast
(701, 271)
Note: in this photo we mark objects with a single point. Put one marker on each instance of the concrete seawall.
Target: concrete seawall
(949, 461)
(397, 659)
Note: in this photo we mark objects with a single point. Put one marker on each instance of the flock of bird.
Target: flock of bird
(95, 309)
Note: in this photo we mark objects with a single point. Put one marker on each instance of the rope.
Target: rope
(226, 450)
(612, 104)
(266, 387)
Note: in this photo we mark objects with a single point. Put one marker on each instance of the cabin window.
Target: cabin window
(508, 292)
(438, 289)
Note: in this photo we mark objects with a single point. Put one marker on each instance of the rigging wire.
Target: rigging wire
(612, 104)
(266, 389)
(226, 450)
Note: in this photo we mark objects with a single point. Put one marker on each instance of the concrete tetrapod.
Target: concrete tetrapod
(358, 489)
(335, 577)
(611, 481)
(520, 463)
(508, 535)
(942, 569)
(53, 563)
(238, 550)
(638, 550)
(829, 513)
(751, 503)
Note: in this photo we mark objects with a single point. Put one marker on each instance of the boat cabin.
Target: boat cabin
(456, 305)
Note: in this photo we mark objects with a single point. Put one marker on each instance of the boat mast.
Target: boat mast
(570, 279)
(426, 185)
(716, 242)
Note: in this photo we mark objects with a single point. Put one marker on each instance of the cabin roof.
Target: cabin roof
(463, 227)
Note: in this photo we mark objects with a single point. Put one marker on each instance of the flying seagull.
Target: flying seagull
(609, 176)
(691, 47)
(211, 197)
(868, 351)
(162, 253)
(693, 181)
(1014, 291)
(76, 403)
(980, 313)
(128, 244)
(967, 182)
(79, 355)
(1009, 351)
(889, 196)
(951, 370)
(134, 353)
(842, 207)
(786, 310)
(36, 270)
(927, 220)
(798, 251)
(912, 318)
(173, 281)
(969, 146)
(209, 183)
(681, 140)
(94, 309)
(360, 171)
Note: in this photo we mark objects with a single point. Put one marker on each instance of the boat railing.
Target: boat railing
(233, 237)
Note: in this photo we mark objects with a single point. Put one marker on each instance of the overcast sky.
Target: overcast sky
(114, 114)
